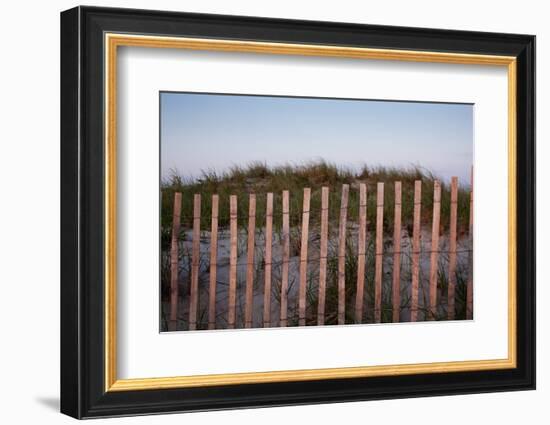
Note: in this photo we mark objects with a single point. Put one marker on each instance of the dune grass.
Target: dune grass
(260, 179)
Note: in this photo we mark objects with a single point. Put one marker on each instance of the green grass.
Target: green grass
(260, 179)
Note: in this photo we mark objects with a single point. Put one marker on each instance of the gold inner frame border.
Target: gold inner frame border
(113, 40)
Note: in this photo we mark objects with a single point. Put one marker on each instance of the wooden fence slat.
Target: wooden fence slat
(233, 236)
(379, 253)
(342, 255)
(303, 258)
(268, 259)
(213, 263)
(434, 258)
(396, 284)
(249, 291)
(195, 260)
(452, 250)
(323, 256)
(469, 285)
(286, 255)
(174, 263)
(361, 253)
(416, 250)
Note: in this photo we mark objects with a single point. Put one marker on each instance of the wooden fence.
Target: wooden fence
(323, 255)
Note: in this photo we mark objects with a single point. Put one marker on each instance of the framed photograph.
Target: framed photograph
(261, 212)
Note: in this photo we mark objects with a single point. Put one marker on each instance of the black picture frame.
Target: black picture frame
(83, 392)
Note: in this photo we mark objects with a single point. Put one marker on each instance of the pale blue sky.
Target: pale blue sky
(213, 132)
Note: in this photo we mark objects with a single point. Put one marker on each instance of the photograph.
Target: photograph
(284, 211)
